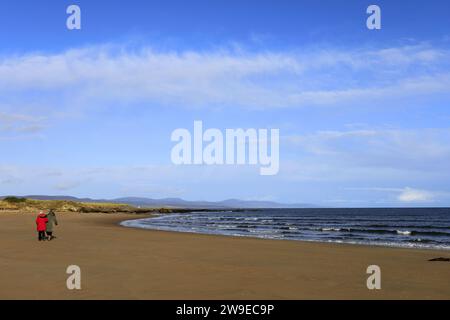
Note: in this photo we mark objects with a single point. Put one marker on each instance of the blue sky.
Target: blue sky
(363, 115)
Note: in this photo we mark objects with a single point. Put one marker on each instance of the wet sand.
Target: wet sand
(123, 263)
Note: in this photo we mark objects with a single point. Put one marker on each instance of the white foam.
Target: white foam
(157, 223)
(330, 229)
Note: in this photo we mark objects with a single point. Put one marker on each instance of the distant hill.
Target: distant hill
(178, 203)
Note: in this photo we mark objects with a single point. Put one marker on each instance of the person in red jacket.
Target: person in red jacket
(41, 222)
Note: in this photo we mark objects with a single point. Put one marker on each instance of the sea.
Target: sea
(426, 228)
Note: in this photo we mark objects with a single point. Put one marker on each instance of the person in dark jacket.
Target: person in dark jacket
(41, 223)
(51, 222)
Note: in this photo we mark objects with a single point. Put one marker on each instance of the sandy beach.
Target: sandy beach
(124, 263)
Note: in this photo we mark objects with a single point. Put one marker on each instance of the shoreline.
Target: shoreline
(443, 250)
(129, 263)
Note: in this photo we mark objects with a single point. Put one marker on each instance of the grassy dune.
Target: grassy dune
(28, 205)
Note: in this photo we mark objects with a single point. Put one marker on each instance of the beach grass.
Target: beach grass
(31, 205)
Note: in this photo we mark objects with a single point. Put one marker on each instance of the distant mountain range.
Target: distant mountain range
(180, 203)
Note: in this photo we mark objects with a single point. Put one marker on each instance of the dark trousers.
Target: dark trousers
(41, 235)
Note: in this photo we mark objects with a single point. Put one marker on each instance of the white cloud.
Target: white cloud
(395, 148)
(151, 190)
(67, 185)
(229, 77)
(116, 181)
(414, 195)
(371, 156)
(408, 194)
(20, 123)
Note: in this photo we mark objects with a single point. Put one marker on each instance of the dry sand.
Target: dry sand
(122, 263)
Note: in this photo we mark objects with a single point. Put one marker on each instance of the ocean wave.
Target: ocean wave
(399, 231)
(330, 229)
(384, 231)
(412, 226)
